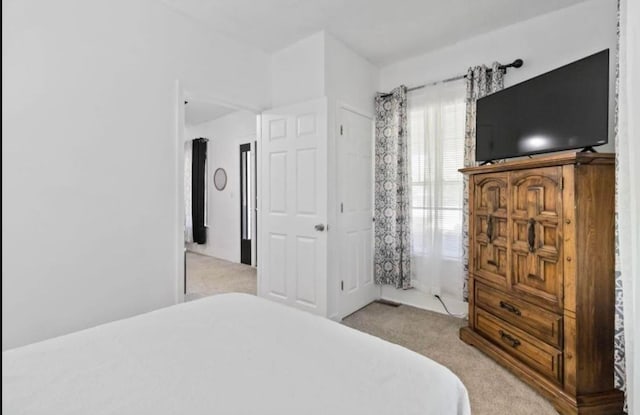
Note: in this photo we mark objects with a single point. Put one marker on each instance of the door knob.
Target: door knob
(319, 227)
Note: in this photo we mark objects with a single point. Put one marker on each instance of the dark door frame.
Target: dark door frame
(255, 200)
(245, 196)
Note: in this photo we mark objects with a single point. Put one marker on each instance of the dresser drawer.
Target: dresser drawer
(539, 322)
(536, 354)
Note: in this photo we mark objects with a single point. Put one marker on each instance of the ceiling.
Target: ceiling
(381, 31)
(197, 112)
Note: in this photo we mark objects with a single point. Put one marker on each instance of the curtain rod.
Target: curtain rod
(515, 64)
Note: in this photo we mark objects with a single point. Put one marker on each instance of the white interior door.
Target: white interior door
(293, 261)
(355, 213)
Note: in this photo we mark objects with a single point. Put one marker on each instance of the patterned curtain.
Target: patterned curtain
(481, 81)
(619, 362)
(392, 258)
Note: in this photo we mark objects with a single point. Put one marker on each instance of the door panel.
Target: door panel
(293, 262)
(277, 281)
(306, 201)
(355, 211)
(277, 182)
(306, 257)
(536, 243)
(491, 228)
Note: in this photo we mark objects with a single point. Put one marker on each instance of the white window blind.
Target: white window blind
(436, 123)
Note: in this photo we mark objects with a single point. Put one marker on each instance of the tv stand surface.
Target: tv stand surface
(544, 161)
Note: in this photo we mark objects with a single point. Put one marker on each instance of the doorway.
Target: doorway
(216, 263)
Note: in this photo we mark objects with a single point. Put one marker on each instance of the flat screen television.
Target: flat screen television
(563, 109)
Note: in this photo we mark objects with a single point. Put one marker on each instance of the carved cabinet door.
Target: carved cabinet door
(490, 227)
(536, 235)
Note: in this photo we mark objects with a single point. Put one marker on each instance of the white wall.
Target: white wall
(544, 43)
(297, 71)
(89, 155)
(321, 65)
(349, 77)
(225, 135)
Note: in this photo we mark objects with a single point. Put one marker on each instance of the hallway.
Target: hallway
(208, 276)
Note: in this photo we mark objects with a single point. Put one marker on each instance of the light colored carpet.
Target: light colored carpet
(209, 276)
(492, 389)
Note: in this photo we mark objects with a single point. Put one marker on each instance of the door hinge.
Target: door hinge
(341, 285)
(341, 207)
(341, 130)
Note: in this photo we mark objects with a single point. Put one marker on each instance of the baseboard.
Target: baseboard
(387, 302)
(417, 298)
(192, 250)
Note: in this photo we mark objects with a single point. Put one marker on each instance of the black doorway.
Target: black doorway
(246, 208)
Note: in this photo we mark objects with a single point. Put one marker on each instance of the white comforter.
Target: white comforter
(227, 354)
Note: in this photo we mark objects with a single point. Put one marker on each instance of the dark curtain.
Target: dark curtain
(198, 190)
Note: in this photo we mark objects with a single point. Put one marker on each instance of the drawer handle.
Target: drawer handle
(510, 308)
(506, 337)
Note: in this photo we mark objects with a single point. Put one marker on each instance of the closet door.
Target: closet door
(490, 228)
(354, 219)
(536, 235)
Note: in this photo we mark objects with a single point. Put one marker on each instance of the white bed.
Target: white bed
(226, 354)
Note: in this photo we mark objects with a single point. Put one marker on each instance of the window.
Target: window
(436, 123)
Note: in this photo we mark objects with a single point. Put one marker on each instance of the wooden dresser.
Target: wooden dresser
(541, 275)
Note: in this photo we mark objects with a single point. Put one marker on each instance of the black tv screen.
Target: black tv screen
(564, 109)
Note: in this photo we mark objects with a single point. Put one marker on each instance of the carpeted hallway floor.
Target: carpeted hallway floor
(207, 276)
(492, 389)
